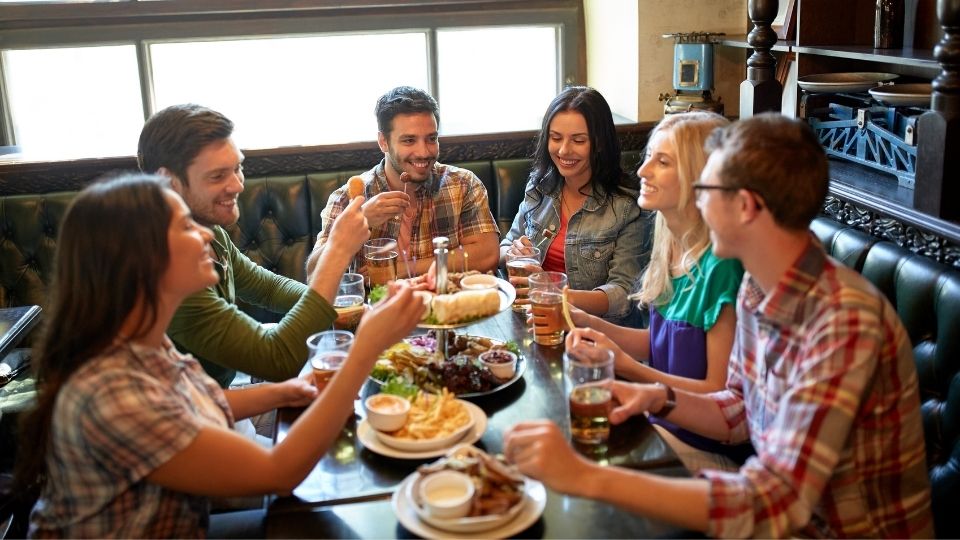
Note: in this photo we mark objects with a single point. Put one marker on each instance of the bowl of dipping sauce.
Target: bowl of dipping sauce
(477, 282)
(386, 412)
(502, 363)
(447, 494)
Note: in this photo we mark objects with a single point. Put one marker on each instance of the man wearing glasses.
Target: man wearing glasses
(821, 375)
(412, 198)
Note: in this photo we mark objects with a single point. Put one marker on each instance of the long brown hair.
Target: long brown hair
(111, 253)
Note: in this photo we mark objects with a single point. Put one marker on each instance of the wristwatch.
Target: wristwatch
(669, 404)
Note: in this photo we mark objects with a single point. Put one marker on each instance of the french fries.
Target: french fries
(433, 416)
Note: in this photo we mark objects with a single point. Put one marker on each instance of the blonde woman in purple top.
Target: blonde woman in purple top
(689, 292)
(129, 437)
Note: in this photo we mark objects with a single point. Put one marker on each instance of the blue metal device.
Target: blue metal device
(692, 73)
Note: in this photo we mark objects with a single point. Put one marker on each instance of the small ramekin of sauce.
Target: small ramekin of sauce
(386, 412)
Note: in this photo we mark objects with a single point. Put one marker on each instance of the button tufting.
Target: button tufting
(596, 254)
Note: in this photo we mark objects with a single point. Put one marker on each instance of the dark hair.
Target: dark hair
(101, 272)
(778, 158)
(175, 136)
(608, 177)
(403, 100)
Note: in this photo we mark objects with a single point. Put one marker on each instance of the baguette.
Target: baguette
(465, 305)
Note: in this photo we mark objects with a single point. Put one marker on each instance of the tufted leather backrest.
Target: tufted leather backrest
(927, 298)
(28, 232)
(279, 221)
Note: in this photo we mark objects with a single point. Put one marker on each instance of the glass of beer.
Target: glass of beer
(381, 257)
(327, 352)
(522, 265)
(588, 381)
(349, 302)
(546, 306)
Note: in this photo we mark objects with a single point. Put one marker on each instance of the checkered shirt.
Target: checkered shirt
(116, 420)
(822, 380)
(452, 203)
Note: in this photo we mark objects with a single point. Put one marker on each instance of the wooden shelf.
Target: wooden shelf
(907, 57)
(880, 192)
(741, 42)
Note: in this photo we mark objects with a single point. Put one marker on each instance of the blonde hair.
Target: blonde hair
(688, 132)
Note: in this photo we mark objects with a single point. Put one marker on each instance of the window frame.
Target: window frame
(139, 23)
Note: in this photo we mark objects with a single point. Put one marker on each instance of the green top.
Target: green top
(698, 303)
(210, 326)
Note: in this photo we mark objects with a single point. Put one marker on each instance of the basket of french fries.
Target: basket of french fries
(434, 421)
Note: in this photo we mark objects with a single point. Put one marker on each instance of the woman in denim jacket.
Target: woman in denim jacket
(580, 207)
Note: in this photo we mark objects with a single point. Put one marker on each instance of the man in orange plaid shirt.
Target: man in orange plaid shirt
(412, 198)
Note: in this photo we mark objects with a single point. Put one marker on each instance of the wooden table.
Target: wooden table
(347, 494)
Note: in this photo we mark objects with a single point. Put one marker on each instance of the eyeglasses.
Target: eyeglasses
(697, 187)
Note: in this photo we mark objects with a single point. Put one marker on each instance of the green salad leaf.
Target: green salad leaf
(377, 292)
(399, 386)
(512, 347)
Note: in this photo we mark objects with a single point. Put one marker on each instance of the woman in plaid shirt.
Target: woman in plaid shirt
(134, 436)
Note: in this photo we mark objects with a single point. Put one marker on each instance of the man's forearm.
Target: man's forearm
(313, 258)
(683, 502)
(700, 414)
(331, 263)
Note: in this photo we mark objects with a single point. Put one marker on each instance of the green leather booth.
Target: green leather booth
(279, 220)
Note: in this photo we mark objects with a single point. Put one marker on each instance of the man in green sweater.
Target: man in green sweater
(192, 145)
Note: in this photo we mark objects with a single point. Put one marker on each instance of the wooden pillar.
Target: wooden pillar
(761, 91)
(937, 187)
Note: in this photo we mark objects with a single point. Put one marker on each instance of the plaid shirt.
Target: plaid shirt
(452, 203)
(822, 380)
(116, 420)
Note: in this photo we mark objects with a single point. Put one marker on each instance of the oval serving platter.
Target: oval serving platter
(859, 81)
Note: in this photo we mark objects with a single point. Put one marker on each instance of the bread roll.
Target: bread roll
(355, 187)
(465, 305)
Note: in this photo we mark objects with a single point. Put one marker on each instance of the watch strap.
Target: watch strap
(670, 402)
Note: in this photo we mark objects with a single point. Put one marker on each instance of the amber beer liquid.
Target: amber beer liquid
(382, 267)
(325, 366)
(349, 310)
(590, 407)
(547, 308)
(521, 268)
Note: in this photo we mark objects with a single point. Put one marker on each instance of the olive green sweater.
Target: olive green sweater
(211, 327)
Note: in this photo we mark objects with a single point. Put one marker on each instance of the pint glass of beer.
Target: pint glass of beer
(546, 306)
(587, 382)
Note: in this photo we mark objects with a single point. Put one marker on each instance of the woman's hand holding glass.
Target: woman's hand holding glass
(522, 259)
(591, 336)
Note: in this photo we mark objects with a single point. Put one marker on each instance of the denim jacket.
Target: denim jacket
(606, 248)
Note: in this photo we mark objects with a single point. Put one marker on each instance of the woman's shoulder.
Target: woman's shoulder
(710, 263)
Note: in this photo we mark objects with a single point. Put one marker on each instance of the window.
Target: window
(291, 91)
(520, 67)
(74, 102)
(303, 75)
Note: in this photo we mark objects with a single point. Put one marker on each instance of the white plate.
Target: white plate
(903, 95)
(843, 82)
(507, 295)
(423, 445)
(535, 499)
(368, 437)
(467, 524)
